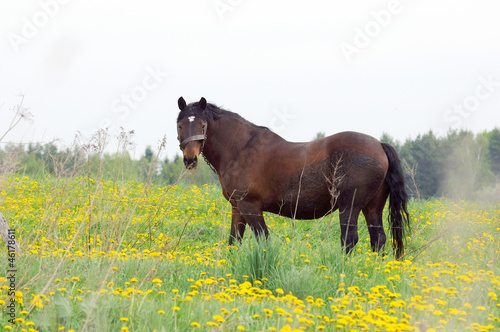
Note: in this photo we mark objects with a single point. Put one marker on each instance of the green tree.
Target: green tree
(148, 154)
(425, 151)
(494, 151)
(466, 165)
(319, 135)
(386, 138)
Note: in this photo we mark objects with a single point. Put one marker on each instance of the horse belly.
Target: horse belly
(308, 202)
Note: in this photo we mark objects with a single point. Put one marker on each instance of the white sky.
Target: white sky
(277, 63)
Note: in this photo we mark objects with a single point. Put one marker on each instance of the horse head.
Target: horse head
(191, 130)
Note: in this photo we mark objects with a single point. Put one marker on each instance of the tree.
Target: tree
(319, 135)
(386, 138)
(148, 154)
(494, 151)
(466, 165)
(425, 151)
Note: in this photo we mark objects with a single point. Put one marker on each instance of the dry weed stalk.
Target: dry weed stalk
(10, 162)
(4, 231)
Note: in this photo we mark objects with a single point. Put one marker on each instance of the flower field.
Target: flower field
(111, 256)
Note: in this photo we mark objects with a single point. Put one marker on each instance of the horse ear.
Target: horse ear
(182, 103)
(202, 104)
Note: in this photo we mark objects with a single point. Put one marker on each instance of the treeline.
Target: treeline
(39, 160)
(462, 165)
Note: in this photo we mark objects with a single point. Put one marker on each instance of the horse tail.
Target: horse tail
(399, 219)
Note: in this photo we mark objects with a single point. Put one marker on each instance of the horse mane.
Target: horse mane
(213, 113)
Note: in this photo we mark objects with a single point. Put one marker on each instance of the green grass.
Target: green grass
(108, 256)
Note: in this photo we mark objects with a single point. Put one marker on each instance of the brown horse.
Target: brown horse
(260, 171)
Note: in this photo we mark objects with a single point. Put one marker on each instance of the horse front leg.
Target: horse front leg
(252, 213)
(238, 225)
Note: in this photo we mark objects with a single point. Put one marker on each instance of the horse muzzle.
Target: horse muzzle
(191, 162)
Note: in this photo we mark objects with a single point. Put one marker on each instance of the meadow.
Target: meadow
(104, 255)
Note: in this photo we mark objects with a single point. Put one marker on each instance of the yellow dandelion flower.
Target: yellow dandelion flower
(279, 291)
(161, 312)
(124, 319)
(195, 324)
(134, 280)
(241, 328)
(176, 308)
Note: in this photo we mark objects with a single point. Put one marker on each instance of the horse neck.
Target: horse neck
(225, 139)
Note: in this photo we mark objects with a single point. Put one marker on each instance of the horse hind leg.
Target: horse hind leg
(348, 228)
(373, 212)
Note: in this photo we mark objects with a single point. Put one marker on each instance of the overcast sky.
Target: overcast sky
(401, 67)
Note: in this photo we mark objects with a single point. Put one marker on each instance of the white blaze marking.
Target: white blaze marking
(191, 118)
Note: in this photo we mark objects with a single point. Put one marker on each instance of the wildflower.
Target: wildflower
(176, 308)
(161, 312)
(279, 291)
(195, 324)
(241, 328)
